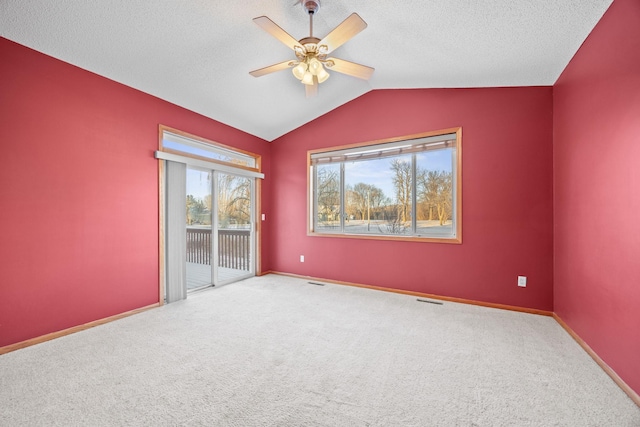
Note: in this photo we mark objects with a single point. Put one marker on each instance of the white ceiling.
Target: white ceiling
(198, 53)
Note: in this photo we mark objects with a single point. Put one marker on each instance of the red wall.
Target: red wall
(507, 196)
(79, 193)
(597, 191)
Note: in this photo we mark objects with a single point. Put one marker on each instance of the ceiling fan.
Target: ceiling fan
(312, 52)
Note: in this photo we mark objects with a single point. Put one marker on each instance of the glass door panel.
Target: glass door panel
(234, 227)
(199, 269)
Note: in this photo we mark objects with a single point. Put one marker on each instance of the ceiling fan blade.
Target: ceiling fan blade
(312, 90)
(272, 68)
(343, 32)
(274, 29)
(350, 68)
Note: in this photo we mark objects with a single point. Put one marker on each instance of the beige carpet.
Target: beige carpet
(277, 351)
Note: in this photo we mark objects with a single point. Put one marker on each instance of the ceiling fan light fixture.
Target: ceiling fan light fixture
(299, 70)
(322, 75)
(315, 66)
(307, 79)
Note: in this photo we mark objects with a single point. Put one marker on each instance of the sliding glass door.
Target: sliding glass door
(234, 218)
(208, 213)
(219, 228)
(198, 223)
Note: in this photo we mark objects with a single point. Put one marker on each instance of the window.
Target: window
(402, 188)
(177, 142)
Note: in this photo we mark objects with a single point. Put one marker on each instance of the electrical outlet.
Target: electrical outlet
(264, 217)
(522, 281)
(301, 258)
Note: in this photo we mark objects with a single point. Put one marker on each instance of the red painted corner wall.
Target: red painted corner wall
(79, 193)
(597, 191)
(506, 192)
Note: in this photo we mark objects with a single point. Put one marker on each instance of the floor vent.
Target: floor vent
(317, 284)
(430, 302)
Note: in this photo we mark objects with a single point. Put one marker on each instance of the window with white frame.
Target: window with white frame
(401, 188)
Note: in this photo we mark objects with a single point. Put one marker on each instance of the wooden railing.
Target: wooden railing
(199, 245)
(234, 247)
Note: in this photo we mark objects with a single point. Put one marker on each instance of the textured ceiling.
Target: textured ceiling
(198, 53)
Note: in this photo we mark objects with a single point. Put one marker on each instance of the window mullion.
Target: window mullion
(313, 196)
(413, 194)
(342, 198)
(454, 191)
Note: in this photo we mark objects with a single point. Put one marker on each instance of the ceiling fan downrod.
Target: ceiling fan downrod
(311, 6)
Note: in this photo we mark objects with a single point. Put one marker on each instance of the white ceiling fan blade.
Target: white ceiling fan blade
(274, 29)
(272, 68)
(349, 68)
(343, 32)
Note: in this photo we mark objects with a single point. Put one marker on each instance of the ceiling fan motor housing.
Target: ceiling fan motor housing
(311, 6)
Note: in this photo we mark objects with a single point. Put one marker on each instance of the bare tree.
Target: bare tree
(195, 208)
(234, 200)
(402, 184)
(328, 194)
(445, 197)
(364, 199)
(352, 202)
(393, 223)
(435, 194)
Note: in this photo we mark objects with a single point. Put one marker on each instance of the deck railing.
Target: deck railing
(234, 247)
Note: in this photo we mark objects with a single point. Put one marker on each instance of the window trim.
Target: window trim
(163, 129)
(457, 185)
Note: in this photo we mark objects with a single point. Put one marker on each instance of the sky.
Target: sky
(379, 173)
(197, 183)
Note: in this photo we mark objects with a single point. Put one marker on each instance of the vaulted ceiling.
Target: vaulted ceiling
(198, 53)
